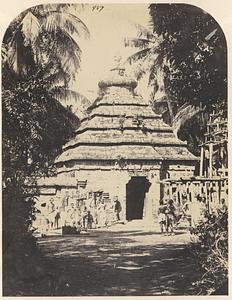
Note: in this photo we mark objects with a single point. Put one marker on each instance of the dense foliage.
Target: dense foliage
(45, 34)
(193, 57)
(211, 252)
(35, 126)
(36, 71)
(184, 56)
(195, 49)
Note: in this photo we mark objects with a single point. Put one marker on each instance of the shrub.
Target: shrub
(210, 247)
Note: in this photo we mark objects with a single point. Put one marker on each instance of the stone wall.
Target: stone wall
(81, 186)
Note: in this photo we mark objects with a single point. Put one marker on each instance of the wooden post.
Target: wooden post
(170, 109)
(202, 161)
(178, 192)
(206, 191)
(217, 191)
(210, 160)
(170, 191)
(207, 195)
(211, 191)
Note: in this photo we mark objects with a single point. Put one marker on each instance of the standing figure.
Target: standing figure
(109, 214)
(117, 208)
(104, 214)
(89, 220)
(57, 218)
(101, 214)
(84, 217)
(186, 213)
(223, 207)
(51, 212)
(184, 197)
(44, 221)
(170, 216)
(162, 216)
(77, 216)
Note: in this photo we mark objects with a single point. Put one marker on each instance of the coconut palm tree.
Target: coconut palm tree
(40, 57)
(149, 54)
(188, 52)
(43, 42)
(43, 34)
(191, 54)
(151, 62)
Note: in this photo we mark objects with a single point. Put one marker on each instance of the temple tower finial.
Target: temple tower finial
(119, 67)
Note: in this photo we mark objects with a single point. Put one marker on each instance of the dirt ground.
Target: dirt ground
(117, 262)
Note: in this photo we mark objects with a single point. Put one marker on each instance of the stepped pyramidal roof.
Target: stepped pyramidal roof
(122, 124)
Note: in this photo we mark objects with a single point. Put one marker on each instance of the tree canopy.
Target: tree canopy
(40, 57)
(184, 56)
(195, 48)
(43, 34)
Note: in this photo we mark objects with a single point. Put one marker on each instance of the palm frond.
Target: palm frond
(140, 71)
(4, 53)
(58, 77)
(152, 75)
(138, 42)
(19, 56)
(21, 50)
(65, 21)
(79, 102)
(30, 28)
(71, 62)
(155, 64)
(185, 113)
(12, 52)
(144, 32)
(46, 33)
(52, 74)
(65, 95)
(80, 24)
(68, 52)
(138, 55)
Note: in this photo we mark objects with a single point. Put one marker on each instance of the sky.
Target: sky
(108, 27)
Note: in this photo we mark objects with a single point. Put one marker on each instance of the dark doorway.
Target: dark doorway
(136, 189)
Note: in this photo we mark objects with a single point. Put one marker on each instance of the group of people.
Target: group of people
(167, 216)
(104, 212)
(99, 213)
(170, 214)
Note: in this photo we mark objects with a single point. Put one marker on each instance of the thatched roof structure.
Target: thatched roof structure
(123, 124)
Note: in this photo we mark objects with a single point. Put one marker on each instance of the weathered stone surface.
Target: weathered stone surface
(122, 143)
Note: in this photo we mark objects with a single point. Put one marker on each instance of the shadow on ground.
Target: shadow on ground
(113, 264)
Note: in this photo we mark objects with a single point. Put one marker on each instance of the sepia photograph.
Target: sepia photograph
(114, 151)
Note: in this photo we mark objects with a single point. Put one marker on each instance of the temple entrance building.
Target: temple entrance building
(121, 149)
